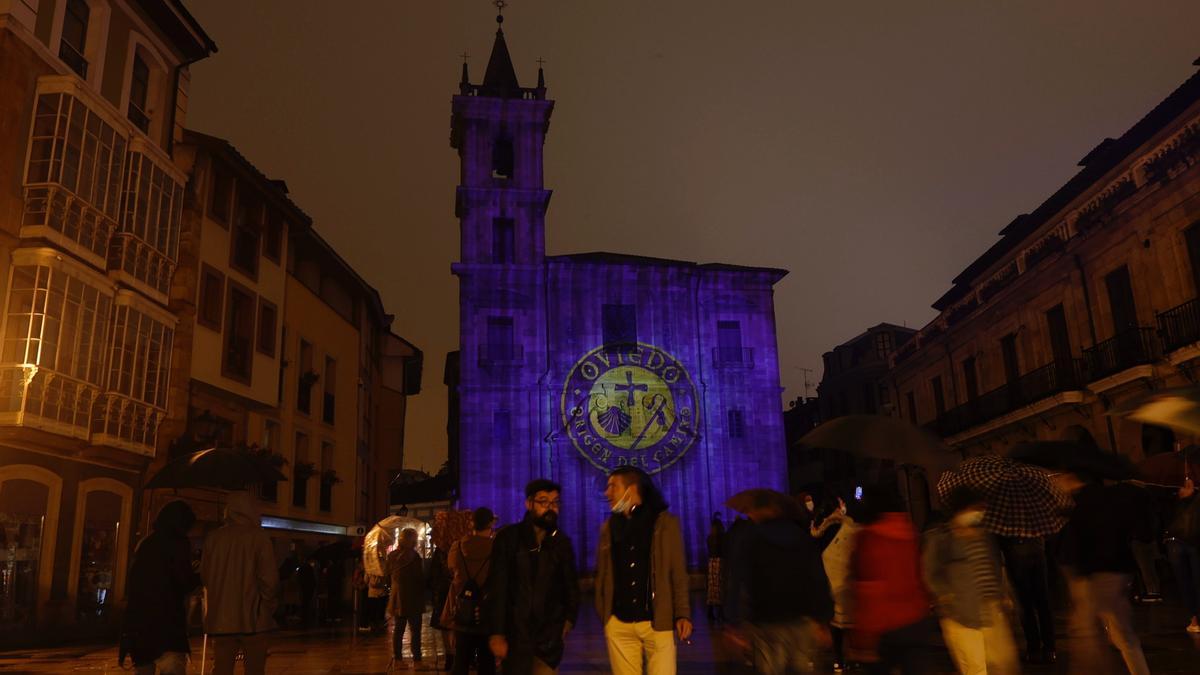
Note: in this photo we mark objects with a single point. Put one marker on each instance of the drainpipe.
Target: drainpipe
(1087, 300)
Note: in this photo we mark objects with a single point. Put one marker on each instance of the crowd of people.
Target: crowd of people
(788, 582)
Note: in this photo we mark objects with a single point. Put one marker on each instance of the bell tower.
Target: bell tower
(498, 128)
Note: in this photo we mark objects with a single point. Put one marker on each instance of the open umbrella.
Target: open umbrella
(1074, 457)
(220, 468)
(1175, 407)
(379, 541)
(1021, 500)
(748, 500)
(882, 437)
(1171, 468)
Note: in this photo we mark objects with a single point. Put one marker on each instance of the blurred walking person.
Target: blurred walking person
(532, 596)
(641, 577)
(715, 587)
(961, 567)
(406, 603)
(1099, 566)
(470, 563)
(439, 589)
(1183, 549)
(161, 579)
(780, 575)
(836, 560)
(241, 581)
(891, 607)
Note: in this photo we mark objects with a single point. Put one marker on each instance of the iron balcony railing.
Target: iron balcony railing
(733, 357)
(1127, 349)
(1180, 326)
(1050, 379)
(495, 354)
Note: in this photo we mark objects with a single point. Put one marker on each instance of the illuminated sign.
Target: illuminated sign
(631, 406)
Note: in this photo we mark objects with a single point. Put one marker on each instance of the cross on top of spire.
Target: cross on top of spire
(500, 5)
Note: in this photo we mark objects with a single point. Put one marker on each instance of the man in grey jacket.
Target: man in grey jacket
(641, 577)
(240, 579)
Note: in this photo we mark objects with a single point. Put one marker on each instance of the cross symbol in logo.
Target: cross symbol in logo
(630, 387)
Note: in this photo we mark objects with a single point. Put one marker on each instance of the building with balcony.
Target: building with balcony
(1087, 300)
(92, 97)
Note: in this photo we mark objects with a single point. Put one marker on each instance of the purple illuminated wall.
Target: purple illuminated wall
(690, 392)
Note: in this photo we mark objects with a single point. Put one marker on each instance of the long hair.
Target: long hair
(652, 497)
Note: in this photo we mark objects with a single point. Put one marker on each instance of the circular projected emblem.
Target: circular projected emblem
(635, 406)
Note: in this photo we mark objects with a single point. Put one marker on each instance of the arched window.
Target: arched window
(29, 500)
(502, 157)
(99, 547)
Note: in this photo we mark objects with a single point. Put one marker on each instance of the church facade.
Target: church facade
(574, 365)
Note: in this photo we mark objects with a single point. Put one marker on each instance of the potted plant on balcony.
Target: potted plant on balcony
(302, 471)
(330, 477)
(309, 378)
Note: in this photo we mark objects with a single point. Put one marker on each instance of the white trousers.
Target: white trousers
(636, 648)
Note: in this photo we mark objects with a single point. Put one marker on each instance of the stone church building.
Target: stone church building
(573, 365)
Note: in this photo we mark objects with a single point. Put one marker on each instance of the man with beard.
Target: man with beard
(533, 591)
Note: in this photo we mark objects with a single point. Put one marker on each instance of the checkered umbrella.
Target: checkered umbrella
(1021, 500)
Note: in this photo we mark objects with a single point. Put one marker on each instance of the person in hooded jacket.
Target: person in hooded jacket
(240, 577)
(470, 562)
(786, 593)
(161, 579)
(406, 604)
(891, 606)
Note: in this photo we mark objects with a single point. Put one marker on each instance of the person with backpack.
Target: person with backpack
(470, 561)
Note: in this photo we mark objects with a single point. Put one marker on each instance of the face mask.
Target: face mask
(969, 519)
(808, 505)
(624, 504)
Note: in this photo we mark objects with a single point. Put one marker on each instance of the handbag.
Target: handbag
(470, 598)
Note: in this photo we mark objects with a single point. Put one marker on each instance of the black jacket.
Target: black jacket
(159, 582)
(532, 592)
(1105, 520)
(779, 575)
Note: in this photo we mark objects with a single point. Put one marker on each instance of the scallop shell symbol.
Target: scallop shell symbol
(614, 420)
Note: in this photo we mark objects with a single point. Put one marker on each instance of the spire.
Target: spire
(464, 85)
(541, 74)
(500, 78)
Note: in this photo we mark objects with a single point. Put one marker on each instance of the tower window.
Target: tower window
(619, 326)
(502, 158)
(500, 345)
(502, 240)
(737, 423)
(729, 342)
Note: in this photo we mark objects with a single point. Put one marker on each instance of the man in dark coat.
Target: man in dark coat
(780, 578)
(533, 589)
(155, 631)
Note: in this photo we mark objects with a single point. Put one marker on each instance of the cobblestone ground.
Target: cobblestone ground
(336, 651)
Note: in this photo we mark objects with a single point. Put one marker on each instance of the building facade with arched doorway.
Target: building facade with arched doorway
(90, 202)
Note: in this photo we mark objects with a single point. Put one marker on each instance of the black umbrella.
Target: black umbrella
(1074, 458)
(882, 437)
(1021, 500)
(219, 468)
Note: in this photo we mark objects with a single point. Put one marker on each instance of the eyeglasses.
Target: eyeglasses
(544, 503)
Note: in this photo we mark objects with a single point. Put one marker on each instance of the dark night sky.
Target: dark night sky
(872, 148)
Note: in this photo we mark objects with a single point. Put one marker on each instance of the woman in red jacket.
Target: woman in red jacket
(891, 606)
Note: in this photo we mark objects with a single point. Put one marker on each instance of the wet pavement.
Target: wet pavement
(1168, 648)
